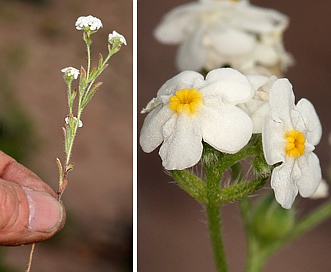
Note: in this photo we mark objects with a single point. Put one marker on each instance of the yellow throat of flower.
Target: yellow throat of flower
(185, 101)
(295, 143)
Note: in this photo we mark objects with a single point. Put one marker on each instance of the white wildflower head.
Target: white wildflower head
(215, 34)
(73, 120)
(289, 136)
(88, 23)
(116, 38)
(189, 109)
(70, 72)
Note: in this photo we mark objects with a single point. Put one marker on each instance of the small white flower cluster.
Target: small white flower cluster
(116, 38)
(88, 23)
(223, 110)
(70, 72)
(91, 23)
(215, 34)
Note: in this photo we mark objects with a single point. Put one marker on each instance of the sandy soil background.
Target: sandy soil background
(41, 37)
(172, 229)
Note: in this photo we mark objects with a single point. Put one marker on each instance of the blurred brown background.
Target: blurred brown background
(37, 39)
(172, 229)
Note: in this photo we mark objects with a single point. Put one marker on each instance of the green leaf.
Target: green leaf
(88, 96)
(82, 81)
(59, 166)
(100, 61)
(69, 167)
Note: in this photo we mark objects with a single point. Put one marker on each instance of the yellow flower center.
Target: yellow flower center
(295, 143)
(185, 100)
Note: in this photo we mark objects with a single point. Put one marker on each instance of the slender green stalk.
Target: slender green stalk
(255, 255)
(86, 90)
(255, 262)
(214, 224)
(88, 49)
(213, 179)
(72, 138)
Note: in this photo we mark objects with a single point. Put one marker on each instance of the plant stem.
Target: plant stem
(30, 258)
(88, 49)
(214, 224)
(255, 262)
(213, 180)
(255, 255)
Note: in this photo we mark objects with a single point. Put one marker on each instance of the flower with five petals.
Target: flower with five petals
(289, 136)
(189, 109)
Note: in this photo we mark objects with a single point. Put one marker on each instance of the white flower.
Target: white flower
(289, 137)
(80, 123)
(116, 38)
(70, 72)
(258, 107)
(88, 23)
(189, 109)
(214, 34)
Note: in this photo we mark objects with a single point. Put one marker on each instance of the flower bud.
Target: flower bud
(270, 221)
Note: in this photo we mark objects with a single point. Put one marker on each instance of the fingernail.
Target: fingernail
(45, 212)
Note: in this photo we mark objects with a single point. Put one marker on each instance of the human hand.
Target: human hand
(29, 210)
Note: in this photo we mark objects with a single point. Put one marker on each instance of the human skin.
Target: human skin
(29, 209)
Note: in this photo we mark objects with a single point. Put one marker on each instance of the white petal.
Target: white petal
(177, 23)
(312, 122)
(281, 100)
(183, 147)
(151, 105)
(266, 54)
(227, 129)
(257, 81)
(310, 174)
(187, 56)
(273, 141)
(232, 42)
(151, 134)
(259, 116)
(259, 20)
(228, 83)
(186, 79)
(283, 185)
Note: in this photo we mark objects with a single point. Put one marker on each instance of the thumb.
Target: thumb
(27, 216)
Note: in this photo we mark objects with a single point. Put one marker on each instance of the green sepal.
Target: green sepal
(238, 191)
(191, 184)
